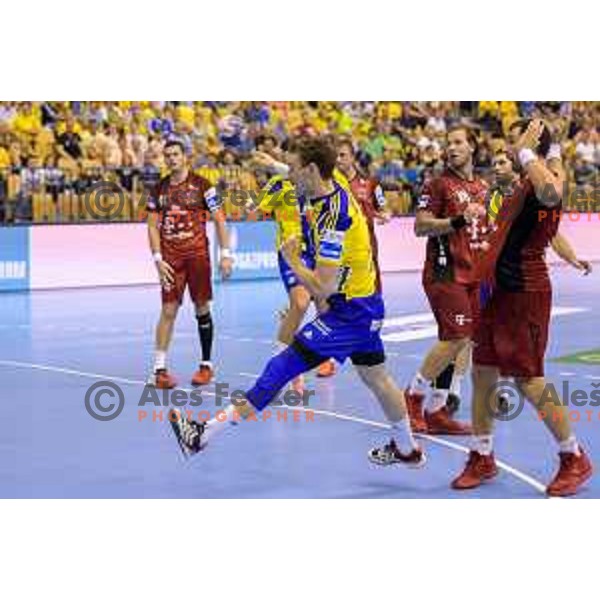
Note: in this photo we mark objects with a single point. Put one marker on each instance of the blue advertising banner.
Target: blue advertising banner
(253, 248)
(14, 258)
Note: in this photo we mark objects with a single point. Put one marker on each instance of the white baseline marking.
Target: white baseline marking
(422, 326)
(85, 374)
(537, 485)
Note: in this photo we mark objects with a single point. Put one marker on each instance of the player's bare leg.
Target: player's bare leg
(291, 320)
(205, 372)
(299, 301)
(327, 368)
(461, 366)
(554, 414)
(481, 465)
(436, 418)
(164, 333)
(440, 356)
(575, 467)
(402, 448)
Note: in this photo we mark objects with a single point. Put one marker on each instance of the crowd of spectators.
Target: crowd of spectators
(52, 152)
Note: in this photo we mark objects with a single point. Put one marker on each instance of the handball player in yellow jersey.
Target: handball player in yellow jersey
(344, 278)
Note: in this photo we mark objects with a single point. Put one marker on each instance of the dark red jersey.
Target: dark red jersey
(369, 195)
(183, 210)
(453, 257)
(529, 229)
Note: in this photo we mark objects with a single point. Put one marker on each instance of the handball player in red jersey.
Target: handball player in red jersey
(369, 194)
(512, 337)
(451, 213)
(178, 209)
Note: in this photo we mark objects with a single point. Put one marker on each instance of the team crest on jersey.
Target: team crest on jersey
(463, 197)
(331, 244)
(423, 202)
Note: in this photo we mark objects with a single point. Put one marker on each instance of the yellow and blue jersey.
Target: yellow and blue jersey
(279, 198)
(341, 238)
(289, 210)
(351, 327)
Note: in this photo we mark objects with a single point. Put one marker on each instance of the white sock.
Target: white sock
(456, 384)
(215, 425)
(437, 400)
(403, 436)
(160, 360)
(484, 444)
(570, 445)
(206, 363)
(418, 383)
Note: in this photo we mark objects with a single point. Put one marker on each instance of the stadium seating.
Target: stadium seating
(53, 155)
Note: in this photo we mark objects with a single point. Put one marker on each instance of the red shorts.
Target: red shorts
(193, 272)
(455, 307)
(513, 333)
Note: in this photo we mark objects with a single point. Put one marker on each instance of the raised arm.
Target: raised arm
(546, 175)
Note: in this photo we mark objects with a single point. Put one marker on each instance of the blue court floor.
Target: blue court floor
(54, 345)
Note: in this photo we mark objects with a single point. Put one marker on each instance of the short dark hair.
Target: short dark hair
(346, 141)
(261, 139)
(320, 152)
(291, 144)
(175, 142)
(499, 153)
(545, 141)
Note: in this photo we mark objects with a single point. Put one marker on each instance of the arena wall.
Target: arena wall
(65, 256)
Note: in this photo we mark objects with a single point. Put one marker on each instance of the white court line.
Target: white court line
(537, 485)
(592, 377)
(85, 374)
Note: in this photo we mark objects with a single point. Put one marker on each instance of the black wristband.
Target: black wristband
(458, 222)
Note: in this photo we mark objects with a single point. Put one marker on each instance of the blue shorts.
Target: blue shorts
(349, 329)
(286, 273)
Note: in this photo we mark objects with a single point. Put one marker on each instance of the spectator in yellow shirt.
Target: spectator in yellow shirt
(28, 119)
(4, 159)
(488, 108)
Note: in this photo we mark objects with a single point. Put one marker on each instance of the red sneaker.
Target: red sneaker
(441, 423)
(479, 468)
(326, 369)
(414, 405)
(573, 472)
(203, 376)
(163, 380)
